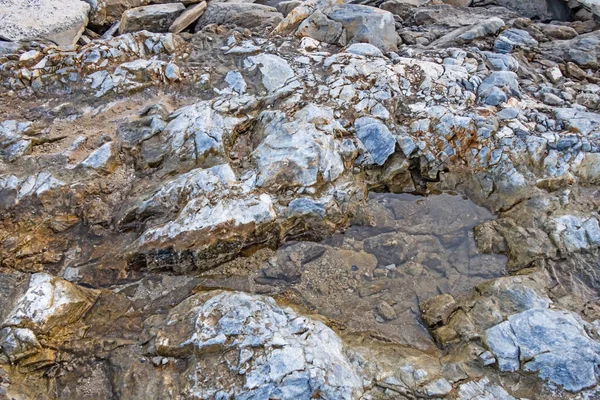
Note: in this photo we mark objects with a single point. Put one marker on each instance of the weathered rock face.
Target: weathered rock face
(244, 15)
(155, 18)
(48, 305)
(544, 10)
(61, 21)
(278, 353)
(554, 344)
(154, 187)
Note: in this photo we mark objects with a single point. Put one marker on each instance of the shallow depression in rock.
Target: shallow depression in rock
(371, 277)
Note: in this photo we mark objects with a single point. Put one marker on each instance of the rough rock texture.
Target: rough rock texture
(155, 18)
(244, 15)
(61, 22)
(365, 25)
(554, 344)
(415, 185)
(278, 353)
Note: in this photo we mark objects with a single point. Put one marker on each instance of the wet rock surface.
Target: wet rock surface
(299, 199)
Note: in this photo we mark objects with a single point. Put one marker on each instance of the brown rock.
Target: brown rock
(445, 336)
(438, 309)
(558, 31)
(574, 71)
(188, 17)
(386, 311)
(372, 289)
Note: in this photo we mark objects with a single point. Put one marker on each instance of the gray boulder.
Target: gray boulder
(243, 15)
(578, 121)
(544, 10)
(583, 50)
(61, 21)
(497, 87)
(376, 138)
(469, 33)
(275, 72)
(106, 12)
(155, 18)
(364, 24)
(512, 38)
(296, 153)
(321, 28)
(456, 17)
(589, 169)
(13, 143)
(592, 5)
(554, 344)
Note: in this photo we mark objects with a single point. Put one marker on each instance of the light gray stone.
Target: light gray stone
(364, 49)
(13, 142)
(61, 21)
(512, 39)
(153, 18)
(321, 28)
(103, 158)
(365, 24)
(296, 153)
(465, 35)
(276, 73)
(552, 343)
(482, 390)
(579, 121)
(497, 87)
(589, 169)
(282, 355)
(188, 17)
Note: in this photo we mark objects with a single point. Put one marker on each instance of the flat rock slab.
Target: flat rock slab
(61, 21)
(155, 18)
(188, 17)
(243, 15)
(107, 12)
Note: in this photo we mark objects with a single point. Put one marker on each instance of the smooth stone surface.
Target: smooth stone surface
(188, 17)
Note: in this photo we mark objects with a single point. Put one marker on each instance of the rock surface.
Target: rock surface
(154, 18)
(299, 199)
(61, 22)
(279, 354)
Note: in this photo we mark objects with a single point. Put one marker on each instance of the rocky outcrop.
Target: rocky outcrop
(278, 352)
(48, 305)
(158, 191)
